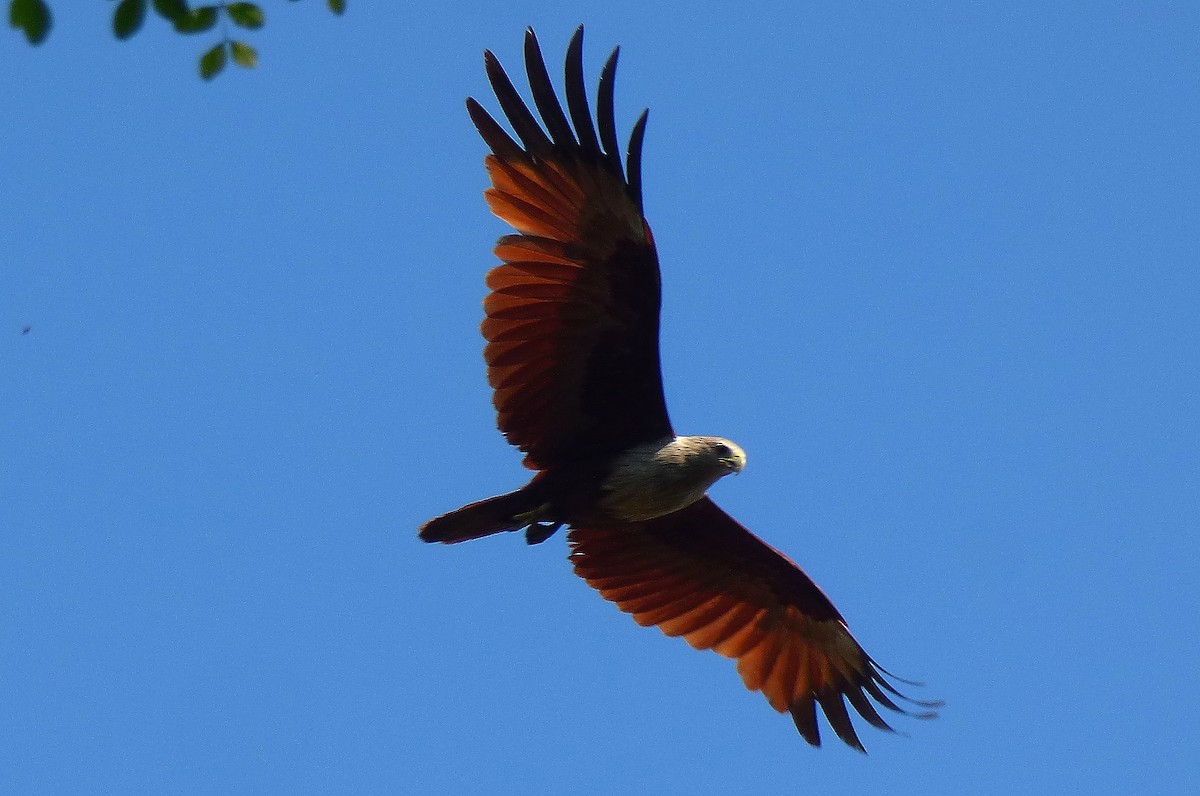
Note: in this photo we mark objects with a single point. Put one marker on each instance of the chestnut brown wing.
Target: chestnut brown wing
(701, 575)
(572, 317)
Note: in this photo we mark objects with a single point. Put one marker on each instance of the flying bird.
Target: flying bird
(571, 332)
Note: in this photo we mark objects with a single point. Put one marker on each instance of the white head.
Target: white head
(706, 455)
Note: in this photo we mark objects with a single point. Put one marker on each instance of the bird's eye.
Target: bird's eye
(723, 451)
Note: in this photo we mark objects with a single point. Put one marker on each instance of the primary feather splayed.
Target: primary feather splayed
(572, 354)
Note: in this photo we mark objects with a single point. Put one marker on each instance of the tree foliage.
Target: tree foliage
(35, 19)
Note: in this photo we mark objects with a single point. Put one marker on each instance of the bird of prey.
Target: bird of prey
(572, 356)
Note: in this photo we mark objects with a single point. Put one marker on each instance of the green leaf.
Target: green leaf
(128, 18)
(171, 9)
(197, 20)
(248, 15)
(244, 55)
(337, 6)
(31, 16)
(212, 62)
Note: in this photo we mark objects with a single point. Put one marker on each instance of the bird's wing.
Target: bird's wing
(572, 317)
(700, 574)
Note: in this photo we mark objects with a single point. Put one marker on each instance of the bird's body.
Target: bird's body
(643, 483)
(572, 354)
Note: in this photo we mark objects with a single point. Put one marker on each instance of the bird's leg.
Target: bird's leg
(538, 514)
(540, 526)
(539, 532)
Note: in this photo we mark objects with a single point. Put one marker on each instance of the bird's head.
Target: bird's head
(716, 454)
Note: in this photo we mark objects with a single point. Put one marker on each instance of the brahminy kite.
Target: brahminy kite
(572, 356)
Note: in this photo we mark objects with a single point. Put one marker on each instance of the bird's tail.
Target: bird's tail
(509, 512)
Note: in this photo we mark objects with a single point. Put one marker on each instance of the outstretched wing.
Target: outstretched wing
(699, 574)
(572, 317)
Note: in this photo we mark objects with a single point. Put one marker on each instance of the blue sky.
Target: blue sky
(935, 269)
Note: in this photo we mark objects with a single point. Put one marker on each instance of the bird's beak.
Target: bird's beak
(735, 463)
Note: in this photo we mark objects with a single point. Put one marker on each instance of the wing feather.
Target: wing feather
(508, 180)
(524, 125)
(633, 158)
(804, 716)
(785, 674)
(745, 638)
(543, 93)
(835, 711)
(500, 142)
(577, 102)
(628, 597)
(736, 618)
(702, 616)
(755, 666)
(515, 248)
(606, 123)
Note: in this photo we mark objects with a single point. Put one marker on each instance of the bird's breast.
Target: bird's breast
(644, 485)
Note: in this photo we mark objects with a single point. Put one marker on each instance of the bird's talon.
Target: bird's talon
(539, 532)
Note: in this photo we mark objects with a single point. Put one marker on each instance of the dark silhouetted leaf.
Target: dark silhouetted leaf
(337, 6)
(248, 15)
(128, 18)
(243, 54)
(197, 20)
(171, 9)
(32, 17)
(212, 62)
